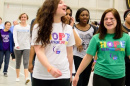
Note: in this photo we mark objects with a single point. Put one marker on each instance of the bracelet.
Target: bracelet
(49, 69)
(95, 60)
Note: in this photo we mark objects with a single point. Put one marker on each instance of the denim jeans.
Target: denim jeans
(5, 54)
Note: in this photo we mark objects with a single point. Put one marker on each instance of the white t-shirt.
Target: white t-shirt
(21, 37)
(56, 52)
(86, 37)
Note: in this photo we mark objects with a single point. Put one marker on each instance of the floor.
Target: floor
(10, 80)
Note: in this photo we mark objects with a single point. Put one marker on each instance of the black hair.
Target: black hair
(79, 11)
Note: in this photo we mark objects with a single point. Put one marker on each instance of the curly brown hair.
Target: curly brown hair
(44, 19)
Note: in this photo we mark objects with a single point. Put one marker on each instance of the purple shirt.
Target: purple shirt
(5, 39)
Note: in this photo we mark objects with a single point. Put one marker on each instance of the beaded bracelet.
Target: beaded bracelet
(95, 60)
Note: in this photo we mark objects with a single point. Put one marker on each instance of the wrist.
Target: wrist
(49, 69)
(95, 60)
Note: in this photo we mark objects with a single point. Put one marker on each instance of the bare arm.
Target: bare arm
(31, 57)
(95, 59)
(70, 58)
(129, 57)
(78, 40)
(85, 62)
(40, 52)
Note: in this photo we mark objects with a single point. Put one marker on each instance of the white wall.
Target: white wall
(11, 9)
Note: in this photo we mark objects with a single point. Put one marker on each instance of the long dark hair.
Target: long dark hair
(44, 19)
(63, 17)
(119, 29)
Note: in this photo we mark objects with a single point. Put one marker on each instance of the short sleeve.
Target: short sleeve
(128, 46)
(92, 48)
(71, 40)
(35, 35)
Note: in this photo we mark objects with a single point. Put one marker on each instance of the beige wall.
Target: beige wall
(11, 9)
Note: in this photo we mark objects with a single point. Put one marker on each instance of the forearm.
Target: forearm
(41, 56)
(70, 58)
(129, 57)
(31, 56)
(95, 57)
(78, 40)
(85, 62)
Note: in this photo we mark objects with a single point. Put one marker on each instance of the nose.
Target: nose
(68, 15)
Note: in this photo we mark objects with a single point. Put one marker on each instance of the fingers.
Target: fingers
(30, 70)
(74, 83)
(56, 73)
(17, 47)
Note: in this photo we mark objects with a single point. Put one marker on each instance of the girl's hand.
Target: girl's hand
(72, 21)
(75, 80)
(30, 68)
(80, 48)
(55, 72)
(93, 66)
(17, 47)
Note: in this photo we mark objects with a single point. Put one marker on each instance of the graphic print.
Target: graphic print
(5, 38)
(56, 50)
(59, 38)
(112, 46)
(114, 57)
(86, 39)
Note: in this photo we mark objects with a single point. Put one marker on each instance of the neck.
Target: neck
(127, 25)
(110, 31)
(57, 19)
(23, 24)
(82, 24)
(6, 30)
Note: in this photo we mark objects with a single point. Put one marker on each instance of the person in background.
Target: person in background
(126, 26)
(6, 46)
(21, 37)
(68, 19)
(111, 45)
(1, 24)
(86, 32)
(53, 43)
(32, 54)
(11, 29)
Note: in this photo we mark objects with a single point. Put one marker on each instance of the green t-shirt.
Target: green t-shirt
(111, 53)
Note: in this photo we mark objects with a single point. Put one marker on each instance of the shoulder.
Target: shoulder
(96, 35)
(17, 26)
(125, 34)
(68, 27)
(35, 26)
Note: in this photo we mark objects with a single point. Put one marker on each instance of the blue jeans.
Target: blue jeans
(6, 59)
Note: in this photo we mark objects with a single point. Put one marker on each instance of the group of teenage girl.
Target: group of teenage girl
(56, 41)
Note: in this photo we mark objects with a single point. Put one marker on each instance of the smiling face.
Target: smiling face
(7, 26)
(110, 22)
(67, 16)
(84, 17)
(23, 17)
(61, 9)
